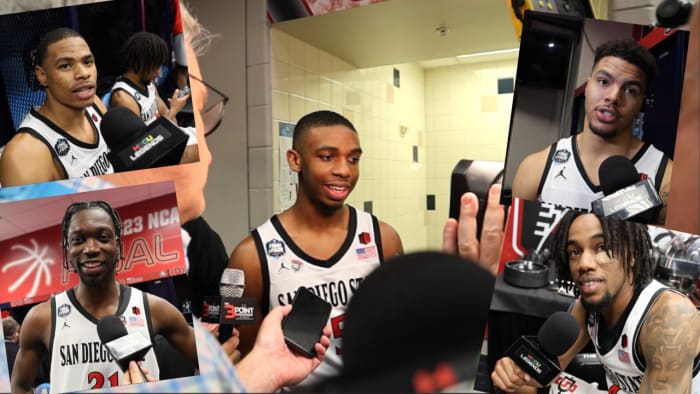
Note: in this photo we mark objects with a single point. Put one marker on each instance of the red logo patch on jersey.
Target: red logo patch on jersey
(135, 310)
(95, 118)
(624, 340)
(643, 176)
(365, 238)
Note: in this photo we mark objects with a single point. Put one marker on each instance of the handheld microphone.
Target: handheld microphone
(124, 347)
(538, 356)
(231, 285)
(135, 146)
(626, 196)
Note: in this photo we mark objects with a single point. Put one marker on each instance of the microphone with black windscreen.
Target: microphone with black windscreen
(537, 356)
(627, 196)
(135, 146)
(124, 347)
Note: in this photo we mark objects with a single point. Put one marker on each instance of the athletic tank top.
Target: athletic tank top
(147, 100)
(565, 182)
(77, 159)
(618, 351)
(285, 267)
(79, 361)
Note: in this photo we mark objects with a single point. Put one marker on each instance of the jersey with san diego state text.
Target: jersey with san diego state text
(285, 267)
(79, 360)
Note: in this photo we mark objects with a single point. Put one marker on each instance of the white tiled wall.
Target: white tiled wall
(448, 113)
(466, 119)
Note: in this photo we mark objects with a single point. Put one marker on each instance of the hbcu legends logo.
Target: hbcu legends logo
(142, 147)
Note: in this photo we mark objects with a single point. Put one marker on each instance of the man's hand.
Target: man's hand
(508, 377)
(459, 237)
(133, 375)
(271, 364)
(231, 345)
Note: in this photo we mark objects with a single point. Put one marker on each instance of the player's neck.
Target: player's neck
(69, 119)
(590, 144)
(311, 215)
(613, 312)
(135, 79)
(95, 299)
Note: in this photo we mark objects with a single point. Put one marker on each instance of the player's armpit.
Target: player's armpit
(391, 241)
(33, 341)
(27, 160)
(669, 343)
(121, 98)
(664, 192)
(245, 258)
(170, 323)
(528, 175)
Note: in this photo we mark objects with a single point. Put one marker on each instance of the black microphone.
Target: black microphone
(124, 347)
(135, 146)
(538, 356)
(626, 196)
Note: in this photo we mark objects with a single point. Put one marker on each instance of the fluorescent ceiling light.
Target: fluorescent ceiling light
(487, 53)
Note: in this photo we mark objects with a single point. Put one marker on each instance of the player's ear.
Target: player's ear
(40, 75)
(294, 160)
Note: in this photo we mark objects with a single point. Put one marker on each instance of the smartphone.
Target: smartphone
(183, 92)
(303, 326)
(475, 176)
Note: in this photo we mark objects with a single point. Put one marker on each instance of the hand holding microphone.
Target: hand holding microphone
(537, 358)
(124, 347)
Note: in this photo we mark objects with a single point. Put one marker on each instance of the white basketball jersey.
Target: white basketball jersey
(77, 159)
(624, 366)
(565, 181)
(147, 100)
(286, 267)
(79, 361)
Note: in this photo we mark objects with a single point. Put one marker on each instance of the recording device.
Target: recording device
(229, 308)
(673, 13)
(538, 356)
(303, 326)
(183, 92)
(626, 196)
(474, 176)
(124, 347)
(231, 285)
(135, 146)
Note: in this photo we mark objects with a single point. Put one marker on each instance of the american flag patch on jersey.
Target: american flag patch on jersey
(366, 252)
(623, 356)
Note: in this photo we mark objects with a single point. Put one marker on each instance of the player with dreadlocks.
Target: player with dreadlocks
(65, 325)
(645, 334)
(142, 56)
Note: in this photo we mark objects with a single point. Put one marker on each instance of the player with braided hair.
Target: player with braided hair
(66, 325)
(79, 206)
(645, 334)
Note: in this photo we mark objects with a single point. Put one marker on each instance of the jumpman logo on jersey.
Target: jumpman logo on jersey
(72, 159)
(65, 324)
(561, 173)
(282, 266)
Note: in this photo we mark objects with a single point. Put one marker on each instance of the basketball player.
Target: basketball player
(61, 139)
(142, 56)
(319, 242)
(645, 334)
(566, 173)
(65, 325)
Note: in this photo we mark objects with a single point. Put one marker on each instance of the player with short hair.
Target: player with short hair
(62, 136)
(320, 242)
(566, 173)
